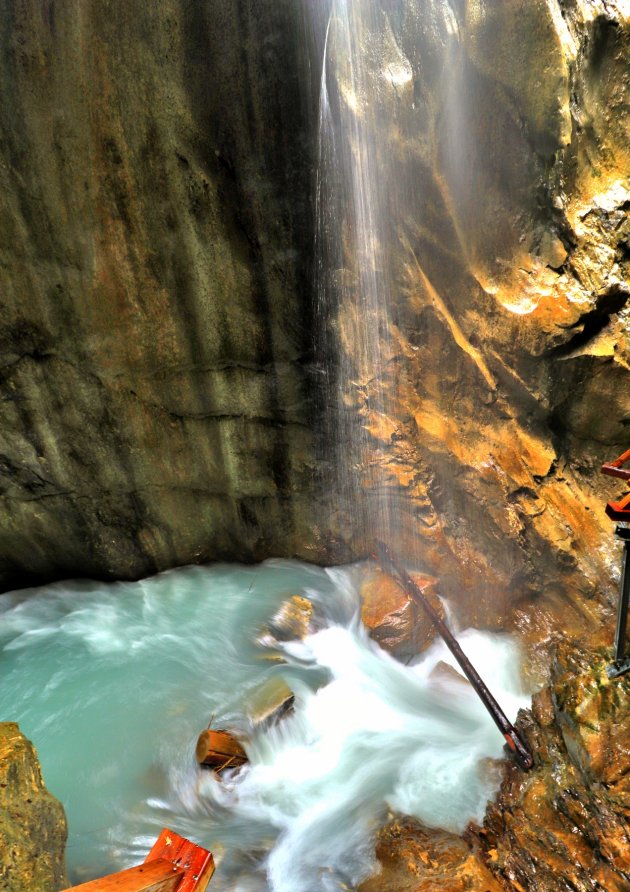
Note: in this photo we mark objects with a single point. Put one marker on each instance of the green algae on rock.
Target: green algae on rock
(567, 821)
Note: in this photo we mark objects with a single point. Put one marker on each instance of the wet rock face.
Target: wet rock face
(506, 375)
(32, 822)
(414, 858)
(156, 334)
(393, 619)
(155, 240)
(564, 825)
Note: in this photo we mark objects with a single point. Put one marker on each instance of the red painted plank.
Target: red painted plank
(158, 876)
(197, 862)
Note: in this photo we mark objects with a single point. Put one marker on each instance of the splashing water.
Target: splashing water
(113, 683)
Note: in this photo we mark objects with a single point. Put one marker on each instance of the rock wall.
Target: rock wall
(565, 824)
(159, 389)
(32, 822)
(503, 152)
(155, 325)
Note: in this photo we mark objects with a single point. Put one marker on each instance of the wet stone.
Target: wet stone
(416, 858)
(32, 822)
(293, 621)
(393, 620)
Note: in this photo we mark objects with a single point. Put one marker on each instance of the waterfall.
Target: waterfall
(368, 202)
(117, 681)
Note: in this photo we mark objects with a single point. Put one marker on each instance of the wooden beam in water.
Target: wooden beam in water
(510, 734)
(198, 863)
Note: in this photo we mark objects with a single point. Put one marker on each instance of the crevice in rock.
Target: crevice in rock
(594, 321)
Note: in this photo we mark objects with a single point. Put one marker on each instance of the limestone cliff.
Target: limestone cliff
(32, 822)
(502, 152)
(155, 241)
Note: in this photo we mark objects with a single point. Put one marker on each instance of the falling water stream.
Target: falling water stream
(114, 683)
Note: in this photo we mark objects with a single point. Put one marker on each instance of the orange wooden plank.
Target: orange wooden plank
(615, 469)
(158, 875)
(197, 863)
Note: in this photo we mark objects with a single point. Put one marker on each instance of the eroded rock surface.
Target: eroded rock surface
(32, 822)
(161, 403)
(501, 144)
(565, 824)
(414, 858)
(155, 237)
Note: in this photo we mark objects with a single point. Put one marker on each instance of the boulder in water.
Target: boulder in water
(219, 750)
(393, 619)
(293, 620)
(269, 703)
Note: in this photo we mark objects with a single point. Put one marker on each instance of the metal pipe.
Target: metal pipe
(622, 613)
(511, 735)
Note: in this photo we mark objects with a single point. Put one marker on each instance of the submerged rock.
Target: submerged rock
(415, 858)
(293, 621)
(269, 703)
(33, 828)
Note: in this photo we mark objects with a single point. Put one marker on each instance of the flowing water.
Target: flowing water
(114, 683)
(394, 142)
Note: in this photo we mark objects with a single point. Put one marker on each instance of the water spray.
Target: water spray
(514, 741)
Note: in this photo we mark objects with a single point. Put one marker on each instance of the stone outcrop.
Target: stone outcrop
(414, 858)
(565, 824)
(393, 619)
(32, 822)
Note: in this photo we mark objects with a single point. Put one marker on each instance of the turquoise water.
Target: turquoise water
(114, 682)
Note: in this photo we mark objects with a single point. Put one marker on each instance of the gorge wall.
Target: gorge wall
(502, 149)
(161, 401)
(155, 240)
(32, 822)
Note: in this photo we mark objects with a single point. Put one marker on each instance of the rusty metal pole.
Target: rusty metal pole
(620, 511)
(511, 735)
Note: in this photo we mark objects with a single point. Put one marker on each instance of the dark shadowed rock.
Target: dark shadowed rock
(155, 241)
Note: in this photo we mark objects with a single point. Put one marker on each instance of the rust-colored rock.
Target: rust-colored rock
(414, 858)
(504, 379)
(32, 822)
(219, 750)
(565, 824)
(392, 617)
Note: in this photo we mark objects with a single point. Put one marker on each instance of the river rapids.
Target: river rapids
(114, 682)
